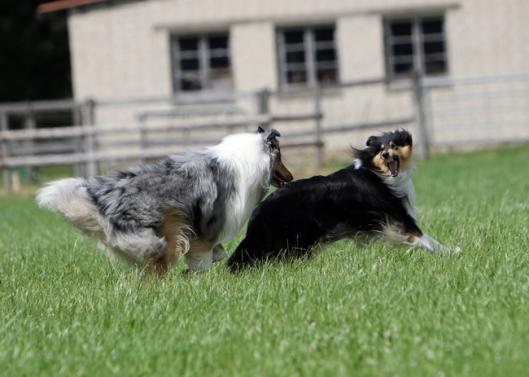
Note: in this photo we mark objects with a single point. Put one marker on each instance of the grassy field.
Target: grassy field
(380, 310)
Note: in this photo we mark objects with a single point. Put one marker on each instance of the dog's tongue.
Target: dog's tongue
(393, 166)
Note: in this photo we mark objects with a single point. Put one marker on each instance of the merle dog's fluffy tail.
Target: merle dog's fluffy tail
(70, 198)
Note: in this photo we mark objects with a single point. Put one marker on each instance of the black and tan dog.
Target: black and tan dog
(373, 196)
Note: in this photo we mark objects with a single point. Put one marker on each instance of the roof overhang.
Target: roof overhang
(64, 5)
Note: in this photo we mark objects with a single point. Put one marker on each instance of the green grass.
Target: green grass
(380, 310)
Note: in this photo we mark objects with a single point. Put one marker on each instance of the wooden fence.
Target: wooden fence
(78, 145)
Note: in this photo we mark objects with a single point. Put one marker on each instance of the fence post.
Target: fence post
(4, 149)
(144, 142)
(420, 114)
(263, 105)
(30, 123)
(77, 120)
(89, 125)
(317, 121)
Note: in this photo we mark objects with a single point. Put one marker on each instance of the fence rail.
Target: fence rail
(130, 154)
(444, 112)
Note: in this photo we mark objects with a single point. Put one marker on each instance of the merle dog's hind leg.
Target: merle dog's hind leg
(219, 253)
(174, 232)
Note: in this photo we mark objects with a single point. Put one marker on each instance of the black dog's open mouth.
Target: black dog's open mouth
(393, 166)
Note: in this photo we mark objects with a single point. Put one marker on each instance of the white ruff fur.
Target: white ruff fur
(402, 186)
(245, 154)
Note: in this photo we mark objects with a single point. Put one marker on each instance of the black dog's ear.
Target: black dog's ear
(260, 130)
(371, 140)
(409, 139)
(404, 136)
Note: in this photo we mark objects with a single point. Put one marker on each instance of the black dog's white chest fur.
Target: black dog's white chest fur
(402, 187)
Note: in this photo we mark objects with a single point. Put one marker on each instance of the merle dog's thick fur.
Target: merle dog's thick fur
(363, 199)
(187, 204)
(193, 183)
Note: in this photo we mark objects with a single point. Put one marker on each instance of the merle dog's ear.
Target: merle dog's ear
(270, 138)
(371, 141)
(260, 130)
(272, 134)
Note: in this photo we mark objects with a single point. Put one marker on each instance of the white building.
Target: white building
(141, 48)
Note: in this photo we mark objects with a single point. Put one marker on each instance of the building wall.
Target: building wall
(122, 50)
(254, 68)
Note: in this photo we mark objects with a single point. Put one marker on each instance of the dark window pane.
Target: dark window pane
(402, 49)
(402, 68)
(323, 35)
(189, 85)
(432, 26)
(433, 47)
(293, 36)
(400, 28)
(296, 77)
(15, 122)
(295, 57)
(189, 64)
(188, 44)
(218, 42)
(433, 67)
(327, 76)
(219, 62)
(326, 55)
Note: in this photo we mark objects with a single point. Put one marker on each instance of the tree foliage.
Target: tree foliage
(34, 53)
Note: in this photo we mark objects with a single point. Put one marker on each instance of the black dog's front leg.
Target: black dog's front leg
(416, 237)
(243, 256)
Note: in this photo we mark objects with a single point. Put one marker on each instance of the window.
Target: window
(307, 56)
(415, 44)
(201, 63)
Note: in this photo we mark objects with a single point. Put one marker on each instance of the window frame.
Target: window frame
(417, 42)
(309, 49)
(203, 53)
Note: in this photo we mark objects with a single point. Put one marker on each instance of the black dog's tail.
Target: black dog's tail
(241, 257)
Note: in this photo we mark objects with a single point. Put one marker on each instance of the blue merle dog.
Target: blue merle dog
(187, 204)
